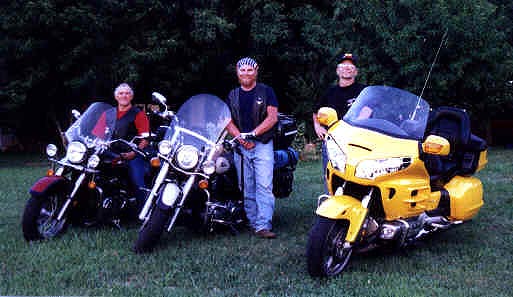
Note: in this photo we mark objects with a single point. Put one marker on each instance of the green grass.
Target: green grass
(474, 259)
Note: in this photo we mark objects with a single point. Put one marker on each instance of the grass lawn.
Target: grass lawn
(474, 259)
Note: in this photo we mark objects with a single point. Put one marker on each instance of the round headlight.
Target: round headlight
(209, 167)
(93, 161)
(51, 150)
(187, 157)
(76, 152)
(165, 147)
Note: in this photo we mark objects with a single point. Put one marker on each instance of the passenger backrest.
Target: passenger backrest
(454, 125)
(451, 123)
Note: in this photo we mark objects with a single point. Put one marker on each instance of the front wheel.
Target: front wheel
(40, 217)
(325, 252)
(151, 230)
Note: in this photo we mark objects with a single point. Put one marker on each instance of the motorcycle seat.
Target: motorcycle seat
(454, 125)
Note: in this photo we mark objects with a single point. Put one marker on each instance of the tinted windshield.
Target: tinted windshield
(204, 115)
(391, 111)
(97, 122)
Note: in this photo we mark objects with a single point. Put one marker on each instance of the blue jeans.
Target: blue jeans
(258, 184)
(324, 155)
(137, 169)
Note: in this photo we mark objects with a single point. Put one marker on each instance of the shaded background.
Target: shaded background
(57, 55)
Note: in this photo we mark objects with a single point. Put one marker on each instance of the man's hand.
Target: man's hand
(246, 144)
(142, 144)
(320, 131)
(127, 156)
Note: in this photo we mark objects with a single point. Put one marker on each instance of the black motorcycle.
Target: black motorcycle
(88, 185)
(197, 182)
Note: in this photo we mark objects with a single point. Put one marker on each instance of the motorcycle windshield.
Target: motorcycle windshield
(202, 118)
(96, 123)
(391, 111)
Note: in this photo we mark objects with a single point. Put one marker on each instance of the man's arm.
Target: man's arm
(270, 120)
(319, 129)
(234, 131)
(142, 124)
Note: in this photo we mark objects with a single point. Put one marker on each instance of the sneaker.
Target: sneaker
(264, 233)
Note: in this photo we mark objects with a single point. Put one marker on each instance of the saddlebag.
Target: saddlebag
(286, 130)
(283, 176)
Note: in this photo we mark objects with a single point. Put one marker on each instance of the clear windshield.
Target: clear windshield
(96, 123)
(200, 120)
(391, 111)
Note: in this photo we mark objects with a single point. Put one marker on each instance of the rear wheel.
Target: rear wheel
(325, 252)
(151, 230)
(40, 217)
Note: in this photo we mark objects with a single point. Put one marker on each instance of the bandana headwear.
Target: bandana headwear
(247, 61)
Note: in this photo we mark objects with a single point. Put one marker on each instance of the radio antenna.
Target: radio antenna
(444, 39)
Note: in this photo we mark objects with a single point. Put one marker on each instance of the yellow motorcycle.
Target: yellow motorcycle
(397, 172)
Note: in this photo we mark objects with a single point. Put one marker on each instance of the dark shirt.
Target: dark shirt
(340, 98)
(141, 122)
(246, 99)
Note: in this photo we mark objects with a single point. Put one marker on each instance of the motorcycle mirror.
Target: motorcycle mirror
(159, 98)
(327, 116)
(75, 113)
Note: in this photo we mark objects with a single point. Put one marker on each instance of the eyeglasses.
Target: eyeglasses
(346, 66)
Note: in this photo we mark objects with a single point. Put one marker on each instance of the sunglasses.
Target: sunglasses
(346, 66)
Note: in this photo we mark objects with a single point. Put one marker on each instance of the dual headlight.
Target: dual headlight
(370, 169)
(186, 157)
(336, 155)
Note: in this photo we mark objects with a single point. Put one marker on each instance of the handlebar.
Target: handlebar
(232, 144)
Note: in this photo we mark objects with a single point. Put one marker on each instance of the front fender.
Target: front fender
(344, 208)
(168, 196)
(47, 183)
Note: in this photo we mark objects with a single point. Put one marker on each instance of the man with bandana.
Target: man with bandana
(339, 97)
(254, 110)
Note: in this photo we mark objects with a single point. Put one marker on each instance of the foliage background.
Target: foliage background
(56, 54)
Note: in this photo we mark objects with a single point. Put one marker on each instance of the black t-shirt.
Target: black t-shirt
(340, 98)
(246, 99)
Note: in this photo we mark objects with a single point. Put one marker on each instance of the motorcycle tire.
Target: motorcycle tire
(39, 219)
(151, 230)
(324, 253)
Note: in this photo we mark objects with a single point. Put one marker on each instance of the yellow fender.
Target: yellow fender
(347, 208)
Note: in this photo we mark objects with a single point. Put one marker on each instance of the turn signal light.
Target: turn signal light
(203, 184)
(91, 185)
(50, 172)
(155, 162)
(432, 148)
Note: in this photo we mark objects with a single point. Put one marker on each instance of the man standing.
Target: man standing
(339, 97)
(254, 110)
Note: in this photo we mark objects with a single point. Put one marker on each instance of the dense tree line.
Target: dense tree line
(58, 54)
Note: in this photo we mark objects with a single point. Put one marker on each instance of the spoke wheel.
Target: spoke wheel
(326, 255)
(40, 217)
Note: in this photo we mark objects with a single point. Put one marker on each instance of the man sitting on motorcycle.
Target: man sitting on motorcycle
(130, 122)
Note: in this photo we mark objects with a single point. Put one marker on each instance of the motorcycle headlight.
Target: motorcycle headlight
(209, 167)
(93, 161)
(165, 147)
(370, 169)
(187, 157)
(76, 152)
(51, 150)
(336, 155)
